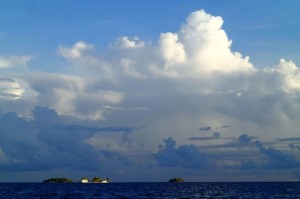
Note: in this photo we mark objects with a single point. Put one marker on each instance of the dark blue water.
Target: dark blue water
(150, 190)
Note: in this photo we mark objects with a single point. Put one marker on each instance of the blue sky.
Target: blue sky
(149, 90)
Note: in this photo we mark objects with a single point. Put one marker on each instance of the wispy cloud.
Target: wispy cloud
(14, 61)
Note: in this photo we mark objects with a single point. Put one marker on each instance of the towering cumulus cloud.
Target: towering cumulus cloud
(201, 46)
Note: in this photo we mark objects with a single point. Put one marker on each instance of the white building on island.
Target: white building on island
(84, 180)
(104, 181)
(95, 180)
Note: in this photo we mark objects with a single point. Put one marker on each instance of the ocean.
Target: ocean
(151, 190)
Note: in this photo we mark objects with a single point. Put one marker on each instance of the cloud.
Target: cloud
(288, 139)
(73, 95)
(186, 156)
(13, 61)
(216, 135)
(86, 104)
(225, 126)
(129, 70)
(200, 47)
(87, 61)
(122, 101)
(266, 157)
(205, 129)
(76, 51)
(245, 139)
(49, 142)
(244, 154)
(199, 64)
(10, 89)
(125, 42)
(288, 73)
(294, 147)
(200, 138)
(278, 159)
(207, 46)
(171, 50)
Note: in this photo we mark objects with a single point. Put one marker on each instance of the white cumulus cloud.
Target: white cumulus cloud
(172, 51)
(208, 47)
(289, 73)
(200, 47)
(76, 51)
(125, 42)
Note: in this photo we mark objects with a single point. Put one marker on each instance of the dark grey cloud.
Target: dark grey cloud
(274, 159)
(278, 159)
(271, 158)
(294, 147)
(225, 126)
(205, 129)
(288, 139)
(244, 138)
(249, 153)
(49, 142)
(185, 156)
(293, 143)
(200, 138)
(45, 116)
(215, 135)
(86, 129)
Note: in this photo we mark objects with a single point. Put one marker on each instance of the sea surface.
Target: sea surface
(151, 190)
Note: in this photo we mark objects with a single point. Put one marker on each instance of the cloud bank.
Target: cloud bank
(116, 106)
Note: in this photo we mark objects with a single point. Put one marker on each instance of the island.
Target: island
(176, 180)
(55, 180)
(95, 180)
(82, 180)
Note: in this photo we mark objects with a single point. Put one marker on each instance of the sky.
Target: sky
(144, 91)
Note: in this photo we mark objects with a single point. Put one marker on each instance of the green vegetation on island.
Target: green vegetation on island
(55, 180)
(176, 180)
(97, 179)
